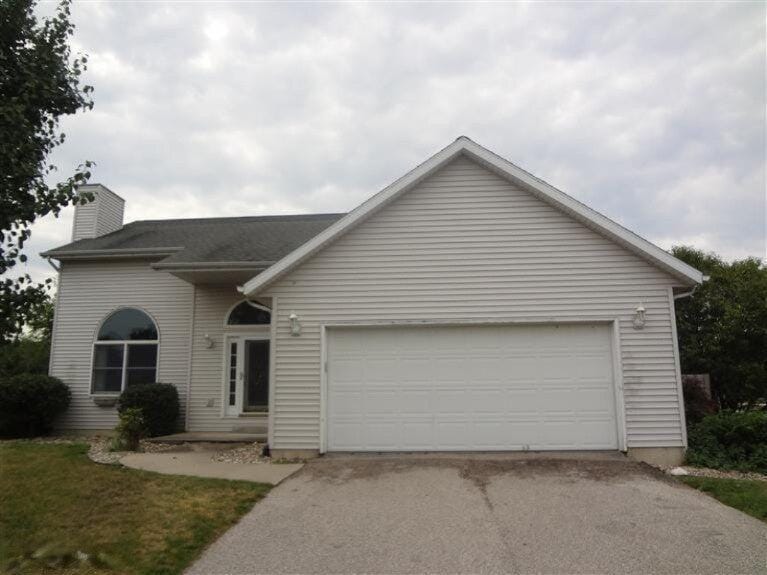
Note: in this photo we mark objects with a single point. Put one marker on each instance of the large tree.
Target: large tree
(722, 328)
(40, 81)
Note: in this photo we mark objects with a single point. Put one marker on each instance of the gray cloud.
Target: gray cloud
(653, 114)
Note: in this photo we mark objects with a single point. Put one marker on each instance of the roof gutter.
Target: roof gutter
(688, 293)
(211, 266)
(116, 253)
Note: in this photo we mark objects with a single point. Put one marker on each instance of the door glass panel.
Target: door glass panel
(233, 373)
(256, 375)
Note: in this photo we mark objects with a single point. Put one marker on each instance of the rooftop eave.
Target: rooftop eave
(111, 253)
(212, 266)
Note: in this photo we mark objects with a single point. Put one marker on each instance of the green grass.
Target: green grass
(747, 495)
(136, 522)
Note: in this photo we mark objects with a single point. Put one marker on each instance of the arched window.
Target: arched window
(125, 351)
(249, 313)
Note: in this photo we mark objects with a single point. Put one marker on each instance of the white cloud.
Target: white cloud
(653, 114)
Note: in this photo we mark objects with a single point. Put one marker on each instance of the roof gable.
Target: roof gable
(463, 145)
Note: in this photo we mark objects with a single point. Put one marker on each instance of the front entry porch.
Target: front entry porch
(230, 366)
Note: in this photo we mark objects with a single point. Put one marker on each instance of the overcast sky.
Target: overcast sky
(653, 114)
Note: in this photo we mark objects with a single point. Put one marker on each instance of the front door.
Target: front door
(256, 384)
(247, 380)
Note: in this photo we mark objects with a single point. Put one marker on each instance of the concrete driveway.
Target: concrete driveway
(502, 514)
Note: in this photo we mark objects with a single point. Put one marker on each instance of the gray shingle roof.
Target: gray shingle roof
(256, 240)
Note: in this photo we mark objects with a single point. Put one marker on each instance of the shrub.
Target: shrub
(130, 430)
(697, 404)
(24, 356)
(730, 440)
(158, 403)
(30, 403)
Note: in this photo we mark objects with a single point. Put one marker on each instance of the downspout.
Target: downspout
(677, 361)
(54, 266)
(190, 360)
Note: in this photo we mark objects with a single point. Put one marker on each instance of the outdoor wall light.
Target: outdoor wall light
(208, 341)
(295, 325)
(639, 317)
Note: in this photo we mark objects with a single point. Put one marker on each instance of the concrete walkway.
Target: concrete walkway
(200, 464)
(474, 515)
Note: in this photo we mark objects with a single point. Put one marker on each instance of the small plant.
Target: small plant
(158, 403)
(730, 440)
(130, 430)
(30, 404)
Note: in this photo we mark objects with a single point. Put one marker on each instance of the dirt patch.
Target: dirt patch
(478, 470)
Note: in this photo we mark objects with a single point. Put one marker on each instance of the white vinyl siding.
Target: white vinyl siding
(101, 216)
(110, 214)
(87, 293)
(84, 224)
(211, 306)
(467, 245)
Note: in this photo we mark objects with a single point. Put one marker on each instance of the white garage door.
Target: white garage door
(470, 388)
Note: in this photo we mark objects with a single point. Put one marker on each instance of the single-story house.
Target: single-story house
(468, 306)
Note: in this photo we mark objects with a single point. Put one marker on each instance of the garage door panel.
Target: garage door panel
(469, 388)
(415, 369)
(452, 433)
(382, 435)
(523, 434)
(522, 368)
(418, 433)
(345, 434)
(449, 401)
(487, 401)
(381, 402)
(348, 402)
(415, 401)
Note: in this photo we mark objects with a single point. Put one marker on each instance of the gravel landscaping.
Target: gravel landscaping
(720, 474)
(100, 449)
(224, 452)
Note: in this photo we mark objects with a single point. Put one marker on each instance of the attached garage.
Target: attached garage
(471, 306)
(471, 387)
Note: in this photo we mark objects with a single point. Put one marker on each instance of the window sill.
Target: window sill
(105, 400)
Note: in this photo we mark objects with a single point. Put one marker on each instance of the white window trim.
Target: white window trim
(247, 326)
(125, 343)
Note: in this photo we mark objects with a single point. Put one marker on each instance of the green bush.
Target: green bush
(30, 403)
(130, 430)
(730, 440)
(158, 403)
(697, 404)
(24, 356)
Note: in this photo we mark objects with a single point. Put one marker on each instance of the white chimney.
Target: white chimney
(101, 216)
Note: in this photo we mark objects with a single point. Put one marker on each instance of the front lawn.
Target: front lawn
(750, 496)
(54, 499)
